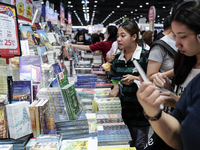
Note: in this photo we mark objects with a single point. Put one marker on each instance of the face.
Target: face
(124, 39)
(80, 38)
(186, 39)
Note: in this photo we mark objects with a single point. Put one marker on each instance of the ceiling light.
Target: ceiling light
(147, 3)
(83, 2)
(141, 6)
(131, 12)
(124, 15)
(113, 12)
(158, 15)
(121, 2)
(71, 5)
(96, 1)
(95, 5)
(135, 9)
(163, 18)
(74, 11)
(69, 2)
(163, 7)
(140, 15)
(118, 6)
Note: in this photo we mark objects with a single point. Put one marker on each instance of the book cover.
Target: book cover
(15, 62)
(6, 147)
(44, 39)
(30, 68)
(22, 91)
(24, 47)
(27, 34)
(71, 100)
(80, 144)
(43, 115)
(62, 79)
(32, 115)
(37, 117)
(3, 122)
(57, 68)
(19, 122)
(43, 54)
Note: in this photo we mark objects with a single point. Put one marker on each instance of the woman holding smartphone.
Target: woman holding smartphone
(122, 66)
(181, 129)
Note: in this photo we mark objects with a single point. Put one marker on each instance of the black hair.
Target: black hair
(167, 23)
(79, 33)
(112, 31)
(101, 35)
(95, 38)
(131, 27)
(187, 13)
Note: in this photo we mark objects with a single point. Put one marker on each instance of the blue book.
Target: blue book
(43, 54)
(57, 68)
(22, 91)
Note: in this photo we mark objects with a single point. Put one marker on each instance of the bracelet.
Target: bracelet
(153, 118)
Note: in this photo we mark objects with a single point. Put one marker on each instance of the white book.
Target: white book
(19, 122)
(6, 147)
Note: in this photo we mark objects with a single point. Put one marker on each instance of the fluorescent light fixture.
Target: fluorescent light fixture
(118, 6)
(141, 6)
(163, 7)
(121, 2)
(131, 12)
(147, 3)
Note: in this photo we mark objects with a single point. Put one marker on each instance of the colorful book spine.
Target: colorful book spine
(32, 115)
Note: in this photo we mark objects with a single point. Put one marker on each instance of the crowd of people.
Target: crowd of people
(171, 60)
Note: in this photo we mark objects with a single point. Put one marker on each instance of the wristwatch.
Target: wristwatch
(153, 118)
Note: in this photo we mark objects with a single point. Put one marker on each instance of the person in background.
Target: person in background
(155, 33)
(112, 52)
(95, 38)
(167, 28)
(146, 40)
(122, 66)
(101, 36)
(103, 46)
(180, 130)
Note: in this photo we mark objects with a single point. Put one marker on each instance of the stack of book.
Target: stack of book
(112, 103)
(72, 129)
(3, 123)
(43, 54)
(3, 76)
(18, 144)
(45, 75)
(111, 128)
(85, 80)
(19, 121)
(51, 56)
(97, 58)
(92, 122)
(102, 92)
(14, 72)
(47, 142)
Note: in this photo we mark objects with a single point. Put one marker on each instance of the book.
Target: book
(81, 144)
(27, 34)
(30, 143)
(6, 147)
(125, 148)
(43, 54)
(44, 39)
(24, 47)
(62, 79)
(43, 116)
(37, 117)
(47, 142)
(30, 68)
(19, 122)
(32, 115)
(3, 121)
(22, 91)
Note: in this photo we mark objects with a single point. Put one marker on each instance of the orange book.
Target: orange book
(32, 115)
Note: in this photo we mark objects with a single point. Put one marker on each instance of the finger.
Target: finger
(143, 88)
(157, 83)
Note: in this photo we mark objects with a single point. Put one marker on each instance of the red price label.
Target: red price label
(9, 35)
(9, 42)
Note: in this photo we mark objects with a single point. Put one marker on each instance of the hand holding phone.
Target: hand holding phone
(145, 78)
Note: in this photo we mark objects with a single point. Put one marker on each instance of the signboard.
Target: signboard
(24, 9)
(62, 15)
(9, 37)
(151, 16)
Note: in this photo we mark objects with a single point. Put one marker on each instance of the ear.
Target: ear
(198, 37)
(134, 37)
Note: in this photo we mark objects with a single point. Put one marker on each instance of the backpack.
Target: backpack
(168, 48)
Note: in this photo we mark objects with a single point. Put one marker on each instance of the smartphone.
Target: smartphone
(144, 78)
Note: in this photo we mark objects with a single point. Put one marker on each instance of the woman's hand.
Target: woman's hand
(129, 79)
(162, 81)
(170, 99)
(150, 99)
(67, 44)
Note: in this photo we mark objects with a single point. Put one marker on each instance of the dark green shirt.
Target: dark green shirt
(132, 111)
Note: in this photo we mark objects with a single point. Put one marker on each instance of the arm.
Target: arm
(110, 58)
(167, 127)
(82, 47)
(152, 68)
